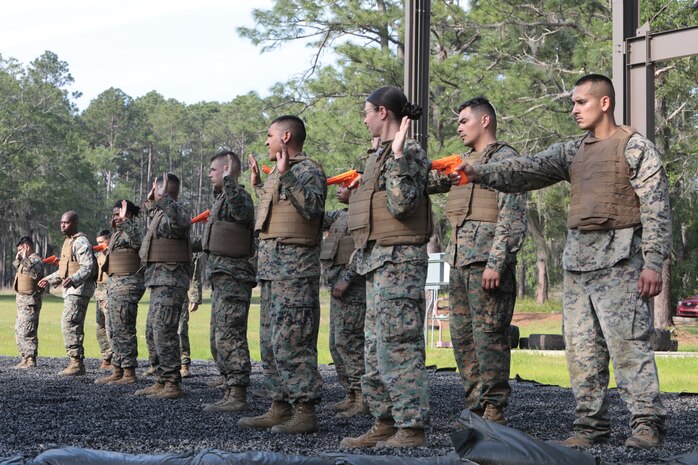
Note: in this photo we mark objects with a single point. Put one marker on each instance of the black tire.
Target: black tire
(523, 343)
(674, 346)
(546, 342)
(660, 340)
(513, 336)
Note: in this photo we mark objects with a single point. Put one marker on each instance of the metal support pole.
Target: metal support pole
(417, 38)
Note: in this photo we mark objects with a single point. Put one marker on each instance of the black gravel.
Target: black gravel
(42, 411)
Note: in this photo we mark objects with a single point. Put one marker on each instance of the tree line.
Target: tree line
(524, 57)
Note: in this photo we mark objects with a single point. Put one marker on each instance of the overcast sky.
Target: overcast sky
(184, 49)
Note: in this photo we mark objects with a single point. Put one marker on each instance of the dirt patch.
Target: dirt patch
(523, 319)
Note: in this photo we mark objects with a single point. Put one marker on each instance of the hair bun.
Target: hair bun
(412, 110)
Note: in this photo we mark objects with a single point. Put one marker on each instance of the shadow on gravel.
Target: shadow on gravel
(43, 414)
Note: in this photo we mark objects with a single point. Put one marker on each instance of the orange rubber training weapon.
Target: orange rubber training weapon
(52, 260)
(344, 179)
(266, 169)
(448, 165)
(201, 217)
(100, 247)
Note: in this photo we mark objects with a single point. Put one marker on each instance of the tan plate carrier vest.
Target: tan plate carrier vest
(68, 266)
(338, 245)
(227, 238)
(101, 268)
(370, 220)
(602, 196)
(122, 262)
(24, 283)
(161, 250)
(472, 202)
(278, 219)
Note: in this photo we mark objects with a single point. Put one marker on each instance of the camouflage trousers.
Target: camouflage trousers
(27, 324)
(124, 294)
(230, 300)
(102, 320)
(183, 333)
(73, 324)
(479, 325)
(161, 336)
(604, 318)
(347, 334)
(395, 384)
(289, 324)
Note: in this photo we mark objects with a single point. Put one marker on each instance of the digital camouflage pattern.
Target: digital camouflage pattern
(346, 315)
(592, 316)
(193, 296)
(102, 318)
(168, 283)
(395, 383)
(124, 293)
(232, 280)
(28, 308)
(289, 278)
(480, 319)
(76, 298)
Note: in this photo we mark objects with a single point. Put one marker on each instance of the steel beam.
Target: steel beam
(417, 39)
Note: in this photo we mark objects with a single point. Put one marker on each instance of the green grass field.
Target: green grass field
(676, 374)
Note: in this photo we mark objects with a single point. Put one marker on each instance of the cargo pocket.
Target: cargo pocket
(637, 324)
(296, 318)
(399, 314)
(353, 320)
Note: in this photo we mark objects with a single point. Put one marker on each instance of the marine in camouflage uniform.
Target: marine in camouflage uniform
(125, 288)
(29, 270)
(191, 304)
(167, 274)
(347, 309)
(288, 261)
(102, 303)
(609, 271)
(75, 273)
(488, 230)
(228, 243)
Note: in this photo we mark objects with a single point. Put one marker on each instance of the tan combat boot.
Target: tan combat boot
(644, 437)
(577, 441)
(128, 378)
(494, 414)
(74, 368)
(234, 400)
(184, 371)
(279, 412)
(405, 437)
(345, 403)
(303, 420)
(220, 381)
(116, 375)
(358, 408)
(169, 391)
(150, 371)
(22, 363)
(380, 431)
(150, 390)
(106, 365)
(30, 362)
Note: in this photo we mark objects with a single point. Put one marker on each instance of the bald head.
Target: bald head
(69, 223)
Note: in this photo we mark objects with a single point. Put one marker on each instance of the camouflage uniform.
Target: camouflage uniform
(289, 277)
(124, 293)
(346, 314)
(168, 283)
(102, 318)
(28, 308)
(76, 298)
(604, 316)
(479, 319)
(193, 295)
(395, 384)
(232, 280)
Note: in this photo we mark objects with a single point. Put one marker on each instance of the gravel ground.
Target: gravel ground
(41, 411)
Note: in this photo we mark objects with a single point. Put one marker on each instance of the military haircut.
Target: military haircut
(223, 154)
(293, 124)
(104, 233)
(481, 105)
(601, 86)
(171, 178)
(26, 240)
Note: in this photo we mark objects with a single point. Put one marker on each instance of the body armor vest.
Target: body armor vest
(68, 265)
(123, 262)
(602, 197)
(101, 268)
(161, 250)
(227, 238)
(369, 218)
(24, 283)
(472, 202)
(338, 245)
(278, 219)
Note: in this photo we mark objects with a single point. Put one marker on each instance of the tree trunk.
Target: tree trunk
(521, 279)
(542, 289)
(662, 303)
